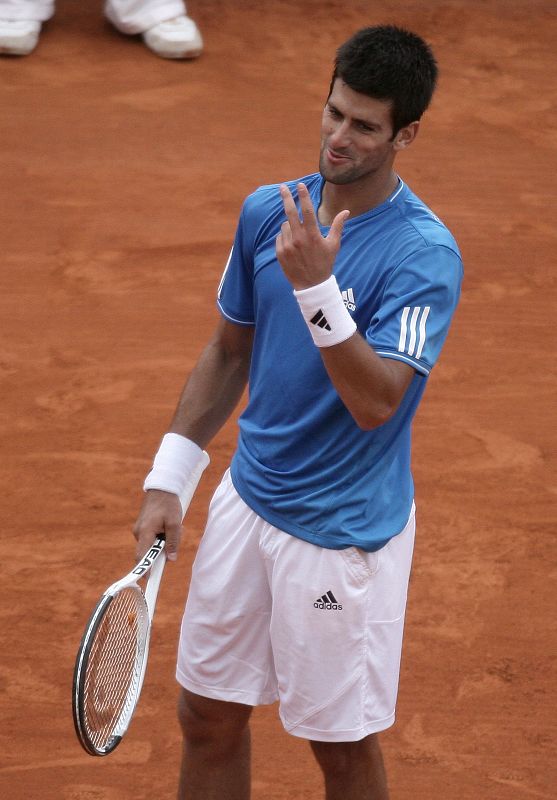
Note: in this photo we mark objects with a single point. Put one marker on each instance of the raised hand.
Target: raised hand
(305, 255)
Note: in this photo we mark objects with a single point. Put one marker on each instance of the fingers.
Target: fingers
(147, 535)
(289, 209)
(335, 231)
(309, 219)
(161, 512)
(306, 206)
(173, 534)
(283, 240)
(304, 253)
(285, 233)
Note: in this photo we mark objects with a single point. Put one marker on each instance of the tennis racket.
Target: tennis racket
(112, 657)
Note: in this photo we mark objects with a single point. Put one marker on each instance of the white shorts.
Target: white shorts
(272, 617)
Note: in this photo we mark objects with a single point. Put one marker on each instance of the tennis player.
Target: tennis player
(335, 302)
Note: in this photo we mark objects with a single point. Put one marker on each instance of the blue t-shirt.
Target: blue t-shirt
(302, 463)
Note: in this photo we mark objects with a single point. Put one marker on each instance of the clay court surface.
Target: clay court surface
(122, 177)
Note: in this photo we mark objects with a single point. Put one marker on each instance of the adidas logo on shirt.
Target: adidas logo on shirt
(320, 320)
(328, 602)
(348, 299)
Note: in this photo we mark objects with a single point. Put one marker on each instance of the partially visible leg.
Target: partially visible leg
(216, 749)
(352, 770)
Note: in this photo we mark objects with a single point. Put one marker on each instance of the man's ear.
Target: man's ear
(406, 136)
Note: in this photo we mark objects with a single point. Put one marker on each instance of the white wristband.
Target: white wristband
(326, 316)
(177, 468)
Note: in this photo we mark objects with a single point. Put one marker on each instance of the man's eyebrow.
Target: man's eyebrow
(368, 123)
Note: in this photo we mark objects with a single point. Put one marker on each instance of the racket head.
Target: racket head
(109, 669)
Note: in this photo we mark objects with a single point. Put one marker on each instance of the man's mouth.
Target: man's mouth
(337, 158)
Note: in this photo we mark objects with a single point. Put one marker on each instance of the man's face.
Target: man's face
(356, 136)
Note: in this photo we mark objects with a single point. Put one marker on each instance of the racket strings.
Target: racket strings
(114, 666)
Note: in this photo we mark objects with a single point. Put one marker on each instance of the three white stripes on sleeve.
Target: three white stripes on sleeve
(413, 331)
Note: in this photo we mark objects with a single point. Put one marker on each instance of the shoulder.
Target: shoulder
(420, 227)
(422, 245)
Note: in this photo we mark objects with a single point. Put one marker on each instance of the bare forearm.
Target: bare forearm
(370, 387)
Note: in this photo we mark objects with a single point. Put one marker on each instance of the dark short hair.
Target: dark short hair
(389, 63)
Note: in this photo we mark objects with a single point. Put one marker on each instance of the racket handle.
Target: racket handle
(154, 554)
(152, 588)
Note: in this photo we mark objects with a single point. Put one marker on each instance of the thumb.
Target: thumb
(337, 225)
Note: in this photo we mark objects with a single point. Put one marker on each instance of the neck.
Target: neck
(356, 197)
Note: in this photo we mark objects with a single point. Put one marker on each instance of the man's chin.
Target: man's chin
(335, 176)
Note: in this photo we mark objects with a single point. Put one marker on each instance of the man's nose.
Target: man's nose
(340, 137)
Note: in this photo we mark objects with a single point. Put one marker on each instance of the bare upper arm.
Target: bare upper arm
(401, 377)
(235, 340)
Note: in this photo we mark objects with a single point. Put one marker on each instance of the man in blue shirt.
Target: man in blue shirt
(335, 302)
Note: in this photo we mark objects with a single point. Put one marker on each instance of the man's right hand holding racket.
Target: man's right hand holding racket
(161, 512)
(169, 487)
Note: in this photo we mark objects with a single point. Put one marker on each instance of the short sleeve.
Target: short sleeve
(235, 292)
(418, 303)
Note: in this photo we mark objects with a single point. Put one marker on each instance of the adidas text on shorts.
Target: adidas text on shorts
(272, 617)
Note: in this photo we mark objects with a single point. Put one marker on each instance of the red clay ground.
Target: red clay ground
(122, 177)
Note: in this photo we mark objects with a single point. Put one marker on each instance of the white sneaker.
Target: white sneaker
(18, 36)
(175, 38)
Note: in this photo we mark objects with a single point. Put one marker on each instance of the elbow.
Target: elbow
(370, 418)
